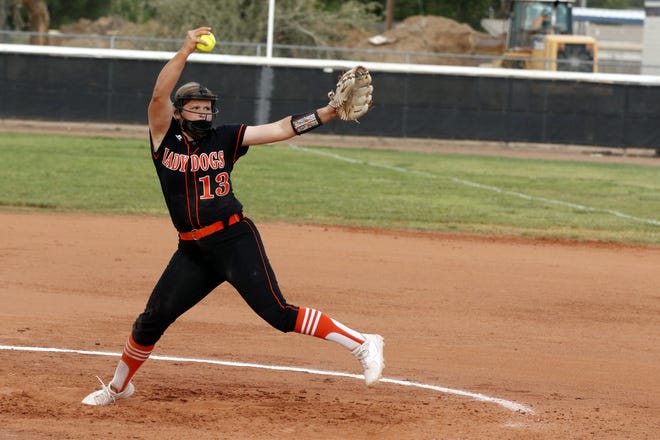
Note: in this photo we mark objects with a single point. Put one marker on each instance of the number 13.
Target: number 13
(222, 179)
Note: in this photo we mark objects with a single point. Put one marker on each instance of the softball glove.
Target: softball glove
(352, 97)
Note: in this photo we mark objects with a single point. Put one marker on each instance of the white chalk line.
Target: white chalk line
(508, 404)
(481, 186)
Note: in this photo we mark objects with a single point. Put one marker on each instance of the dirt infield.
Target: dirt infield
(569, 330)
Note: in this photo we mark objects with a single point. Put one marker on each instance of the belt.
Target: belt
(197, 234)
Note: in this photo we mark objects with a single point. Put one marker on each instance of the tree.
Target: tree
(390, 7)
(297, 22)
(3, 14)
(38, 19)
(70, 11)
(137, 11)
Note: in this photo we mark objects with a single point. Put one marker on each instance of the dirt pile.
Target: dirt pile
(430, 34)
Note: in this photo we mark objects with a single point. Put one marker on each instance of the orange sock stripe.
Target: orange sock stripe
(307, 322)
(311, 321)
(134, 354)
(141, 358)
(301, 320)
(314, 323)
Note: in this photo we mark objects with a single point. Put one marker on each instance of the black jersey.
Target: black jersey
(195, 175)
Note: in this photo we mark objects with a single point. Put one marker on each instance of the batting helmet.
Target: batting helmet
(194, 90)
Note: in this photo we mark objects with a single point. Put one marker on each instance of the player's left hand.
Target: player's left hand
(352, 97)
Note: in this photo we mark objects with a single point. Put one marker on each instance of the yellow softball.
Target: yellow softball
(210, 43)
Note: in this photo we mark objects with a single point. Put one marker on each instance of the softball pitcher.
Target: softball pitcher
(217, 243)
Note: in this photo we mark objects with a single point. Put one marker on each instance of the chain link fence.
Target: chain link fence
(613, 64)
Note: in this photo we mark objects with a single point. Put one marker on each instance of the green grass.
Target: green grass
(390, 189)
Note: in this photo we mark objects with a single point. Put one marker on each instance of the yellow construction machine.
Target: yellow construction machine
(541, 37)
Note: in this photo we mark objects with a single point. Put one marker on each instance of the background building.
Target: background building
(651, 40)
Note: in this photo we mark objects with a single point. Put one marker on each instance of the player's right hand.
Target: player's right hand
(192, 38)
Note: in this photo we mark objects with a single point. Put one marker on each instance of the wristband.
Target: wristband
(304, 122)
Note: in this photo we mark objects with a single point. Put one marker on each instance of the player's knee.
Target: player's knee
(283, 320)
(149, 327)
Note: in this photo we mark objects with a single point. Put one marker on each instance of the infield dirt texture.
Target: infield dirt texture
(569, 330)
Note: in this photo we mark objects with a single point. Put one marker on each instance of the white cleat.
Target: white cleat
(370, 355)
(106, 396)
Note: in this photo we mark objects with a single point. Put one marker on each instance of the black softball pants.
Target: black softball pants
(236, 255)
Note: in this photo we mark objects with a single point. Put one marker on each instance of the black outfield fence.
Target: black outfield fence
(441, 102)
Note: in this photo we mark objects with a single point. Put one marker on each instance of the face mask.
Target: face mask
(197, 129)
